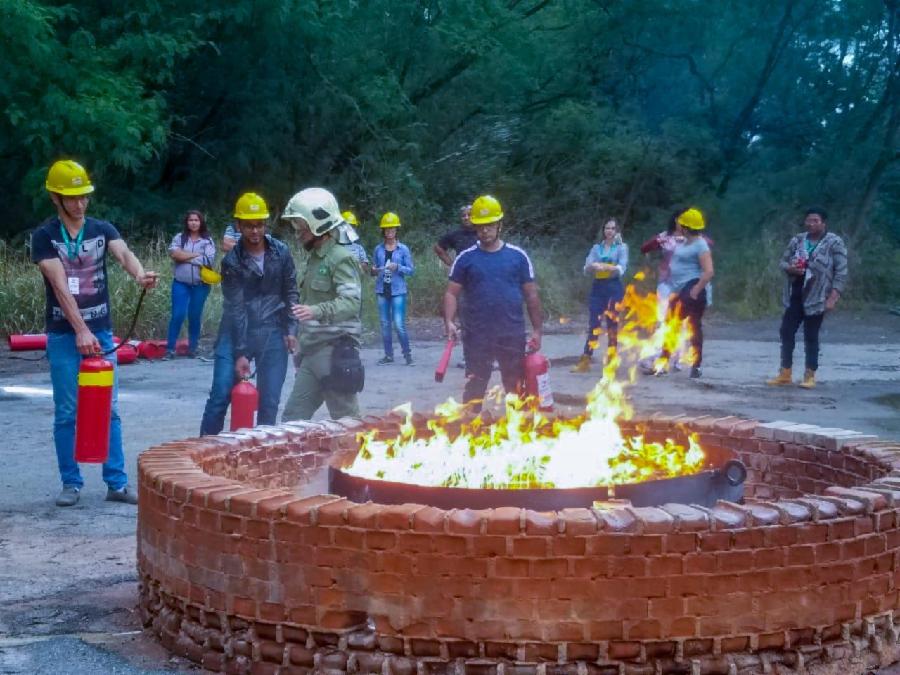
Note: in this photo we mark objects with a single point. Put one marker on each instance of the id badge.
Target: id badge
(74, 285)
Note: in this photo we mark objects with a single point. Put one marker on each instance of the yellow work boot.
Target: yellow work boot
(783, 378)
(809, 379)
(583, 365)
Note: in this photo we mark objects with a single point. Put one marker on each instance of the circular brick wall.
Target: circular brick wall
(246, 565)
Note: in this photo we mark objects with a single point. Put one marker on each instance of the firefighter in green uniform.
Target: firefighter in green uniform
(329, 369)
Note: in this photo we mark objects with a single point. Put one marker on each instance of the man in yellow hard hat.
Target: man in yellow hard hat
(70, 250)
(259, 285)
(495, 278)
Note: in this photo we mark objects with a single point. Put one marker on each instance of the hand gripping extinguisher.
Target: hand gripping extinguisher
(96, 377)
(244, 402)
(537, 379)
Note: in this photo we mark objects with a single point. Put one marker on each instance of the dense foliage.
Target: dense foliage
(567, 110)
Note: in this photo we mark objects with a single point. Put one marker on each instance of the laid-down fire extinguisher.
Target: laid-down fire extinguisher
(96, 378)
(537, 379)
(244, 402)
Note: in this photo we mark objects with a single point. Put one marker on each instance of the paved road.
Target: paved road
(67, 576)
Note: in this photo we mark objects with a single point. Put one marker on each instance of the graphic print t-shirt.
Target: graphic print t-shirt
(85, 272)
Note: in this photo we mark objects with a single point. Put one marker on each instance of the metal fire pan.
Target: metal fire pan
(704, 488)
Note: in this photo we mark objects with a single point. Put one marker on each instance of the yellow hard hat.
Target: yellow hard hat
(692, 219)
(209, 276)
(389, 219)
(68, 178)
(485, 210)
(349, 217)
(251, 206)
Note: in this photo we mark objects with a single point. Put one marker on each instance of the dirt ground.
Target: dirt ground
(67, 576)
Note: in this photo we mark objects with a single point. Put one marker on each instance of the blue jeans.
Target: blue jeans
(605, 294)
(393, 309)
(266, 346)
(64, 364)
(187, 301)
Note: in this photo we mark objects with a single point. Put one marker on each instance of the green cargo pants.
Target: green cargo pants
(308, 393)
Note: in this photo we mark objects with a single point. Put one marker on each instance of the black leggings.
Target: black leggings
(685, 307)
(790, 322)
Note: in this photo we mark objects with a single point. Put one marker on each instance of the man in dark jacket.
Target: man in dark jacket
(259, 285)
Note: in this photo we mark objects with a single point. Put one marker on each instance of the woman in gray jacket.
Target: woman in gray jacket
(815, 265)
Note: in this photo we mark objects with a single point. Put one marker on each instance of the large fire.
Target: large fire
(524, 448)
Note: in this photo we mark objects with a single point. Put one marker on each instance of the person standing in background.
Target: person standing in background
(606, 262)
(815, 267)
(691, 269)
(191, 249)
(349, 237)
(393, 263)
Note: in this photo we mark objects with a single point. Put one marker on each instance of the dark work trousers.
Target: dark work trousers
(480, 353)
(685, 307)
(790, 322)
(605, 294)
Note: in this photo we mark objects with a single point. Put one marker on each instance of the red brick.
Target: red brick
(397, 516)
(608, 544)
(380, 540)
(330, 513)
(511, 567)
(653, 520)
(538, 523)
(578, 522)
(305, 510)
(549, 568)
(466, 521)
(489, 546)
(363, 515)
(646, 545)
(680, 543)
(504, 520)
(537, 547)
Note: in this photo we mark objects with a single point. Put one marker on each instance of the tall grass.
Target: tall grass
(747, 284)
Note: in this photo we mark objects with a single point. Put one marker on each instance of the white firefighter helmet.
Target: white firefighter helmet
(317, 207)
(346, 234)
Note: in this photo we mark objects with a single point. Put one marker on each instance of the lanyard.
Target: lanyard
(71, 247)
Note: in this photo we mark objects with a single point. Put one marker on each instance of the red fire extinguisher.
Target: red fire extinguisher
(537, 379)
(27, 342)
(244, 402)
(96, 377)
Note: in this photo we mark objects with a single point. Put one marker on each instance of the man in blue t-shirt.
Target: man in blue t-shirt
(494, 278)
(70, 250)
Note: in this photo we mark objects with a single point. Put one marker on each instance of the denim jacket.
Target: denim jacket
(405, 268)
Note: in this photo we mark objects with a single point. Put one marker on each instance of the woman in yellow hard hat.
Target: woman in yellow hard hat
(193, 253)
(392, 264)
(690, 271)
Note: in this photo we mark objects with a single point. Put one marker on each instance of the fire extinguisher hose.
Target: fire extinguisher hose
(130, 333)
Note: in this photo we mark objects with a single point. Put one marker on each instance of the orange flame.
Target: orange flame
(523, 448)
